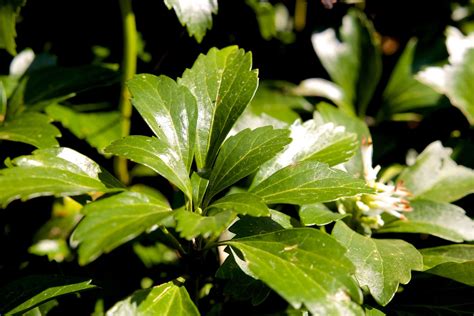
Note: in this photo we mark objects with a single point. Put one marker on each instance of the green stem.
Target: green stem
(129, 68)
(173, 241)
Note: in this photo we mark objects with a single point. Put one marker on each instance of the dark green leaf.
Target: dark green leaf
(250, 226)
(223, 83)
(155, 154)
(318, 214)
(328, 113)
(99, 129)
(31, 128)
(354, 63)
(111, 222)
(308, 182)
(8, 13)
(304, 266)
(199, 186)
(242, 203)
(403, 92)
(53, 171)
(454, 80)
(443, 220)
(242, 154)
(191, 225)
(43, 309)
(155, 254)
(435, 176)
(3, 102)
(381, 264)
(170, 111)
(454, 262)
(196, 15)
(26, 293)
(312, 140)
(167, 299)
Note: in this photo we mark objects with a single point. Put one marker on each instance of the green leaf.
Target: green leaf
(403, 92)
(99, 129)
(242, 203)
(312, 140)
(443, 220)
(53, 171)
(454, 80)
(9, 10)
(381, 264)
(242, 154)
(155, 154)
(223, 83)
(3, 102)
(455, 262)
(155, 254)
(328, 113)
(435, 176)
(170, 111)
(111, 222)
(31, 128)
(250, 226)
(191, 225)
(43, 309)
(304, 266)
(196, 15)
(26, 293)
(308, 182)
(318, 214)
(167, 299)
(199, 186)
(355, 62)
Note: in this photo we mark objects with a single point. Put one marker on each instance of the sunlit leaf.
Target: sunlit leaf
(111, 222)
(454, 80)
(242, 203)
(242, 154)
(435, 176)
(167, 299)
(31, 128)
(308, 182)
(53, 171)
(311, 140)
(305, 266)
(318, 214)
(26, 293)
(99, 129)
(381, 264)
(454, 262)
(439, 219)
(191, 225)
(223, 83)
(196, 15)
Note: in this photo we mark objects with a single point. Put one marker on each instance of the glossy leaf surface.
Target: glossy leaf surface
(191, 225)
(381, 264)
(242, 203)
(305, 266)
(318, 214)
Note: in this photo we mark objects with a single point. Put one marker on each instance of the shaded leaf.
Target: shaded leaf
(43, 309)
(170, 111)
(155, 154)
(454, 80)
(443, 220)
(354, 63)
(311, 140)
(26, 293)
(251, 226)
(304, 266)
(435, 176)
(223, 83)
(166, 299)
(317, 87)
(8, 14)
(308, 182)
(191, 225)
(403, 92)
(3, 102)
(242, 203)
(155, 254)
(99, 129)
(111, 222)
(196, 15)
(199, 186)
(53, 171)
(454, 262)
(381, 264)
(318, 214)
(242, 154)
(31, 128)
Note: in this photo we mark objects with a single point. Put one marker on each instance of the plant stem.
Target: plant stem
(173, 241)
(129, 68)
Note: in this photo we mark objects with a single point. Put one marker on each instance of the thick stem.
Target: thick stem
(129, 68)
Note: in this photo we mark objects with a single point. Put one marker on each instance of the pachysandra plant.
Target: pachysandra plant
(237, 199)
